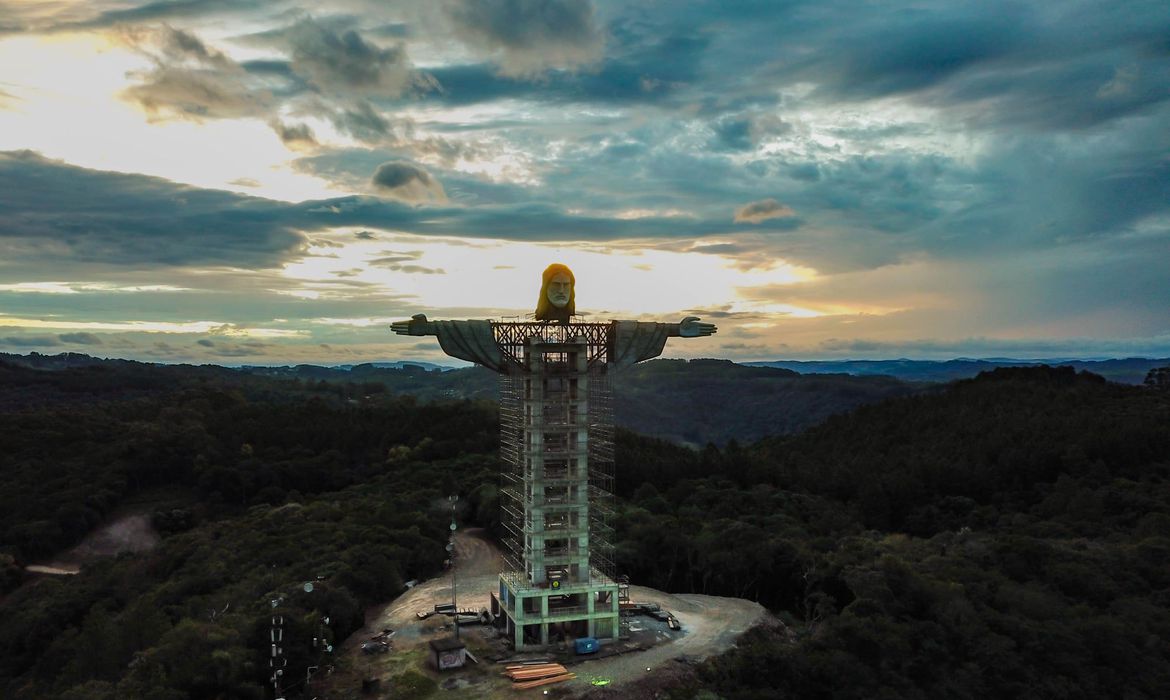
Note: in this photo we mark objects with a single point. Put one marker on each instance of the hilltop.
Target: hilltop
(1002, 536)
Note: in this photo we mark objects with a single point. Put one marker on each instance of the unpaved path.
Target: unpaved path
(478, 563)
(710, 626)
(127, 533)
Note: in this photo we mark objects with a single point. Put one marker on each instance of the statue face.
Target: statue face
(558, 290)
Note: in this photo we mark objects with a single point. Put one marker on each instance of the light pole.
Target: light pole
(451, 550)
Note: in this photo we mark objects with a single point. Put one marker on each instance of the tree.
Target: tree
(1158, 378)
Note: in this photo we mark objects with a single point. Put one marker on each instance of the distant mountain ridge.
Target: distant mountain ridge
(1131, 370)
(686, 402)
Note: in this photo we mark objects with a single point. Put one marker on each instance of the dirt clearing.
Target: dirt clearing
(710, 625)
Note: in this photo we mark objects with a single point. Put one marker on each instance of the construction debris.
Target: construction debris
(534, 675)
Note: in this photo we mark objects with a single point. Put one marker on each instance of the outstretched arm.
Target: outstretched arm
(634, 341)
(473, 341)
(417, 325)
(691, 327)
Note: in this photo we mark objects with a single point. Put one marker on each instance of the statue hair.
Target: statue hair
(545, 311)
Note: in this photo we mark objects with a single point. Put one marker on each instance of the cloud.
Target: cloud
(528, 37)
(407, 182)
(294, 135)
(978, 346)
(80, 338)
(220, 348)
(329, 73)
(343, 63)
(755, 212)
(191, 80)
(55, 210)
(62, 211)
(653, 70)
(29, 341)
(89, 15)
(361, 121)
(394, 265)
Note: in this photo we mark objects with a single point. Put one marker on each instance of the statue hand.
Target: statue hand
(690, 327)
(417, 325)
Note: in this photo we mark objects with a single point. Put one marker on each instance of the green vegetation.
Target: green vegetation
(1001, 537)
(1005, 538)
(284, 485)
(717, 401)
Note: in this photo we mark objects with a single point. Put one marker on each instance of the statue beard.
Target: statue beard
(545, 311)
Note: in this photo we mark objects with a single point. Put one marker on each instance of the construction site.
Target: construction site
(547, 607)
(646, 648)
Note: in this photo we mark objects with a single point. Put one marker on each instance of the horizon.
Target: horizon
(277, 182)
(449, 363)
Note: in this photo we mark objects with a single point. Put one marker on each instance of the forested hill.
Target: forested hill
(1005, 536)
(690, 403)
(699, 401)
(1130, 370)
(255, 485)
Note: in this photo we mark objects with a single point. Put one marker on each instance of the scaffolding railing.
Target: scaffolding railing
(512, 337)
(518, 581)
(527, 416)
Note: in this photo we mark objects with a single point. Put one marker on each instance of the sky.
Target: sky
(276, 181)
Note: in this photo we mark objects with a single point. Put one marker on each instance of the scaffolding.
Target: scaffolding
(556, 444)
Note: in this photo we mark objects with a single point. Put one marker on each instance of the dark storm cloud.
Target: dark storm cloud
(755, 212)
(1059, 66)
(526, 37)
(408, 182)
(393, 175)
(49, 208)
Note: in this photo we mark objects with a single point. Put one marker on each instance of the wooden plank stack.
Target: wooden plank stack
(533, 675)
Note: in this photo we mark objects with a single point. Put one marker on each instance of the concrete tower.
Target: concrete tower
(556, 439)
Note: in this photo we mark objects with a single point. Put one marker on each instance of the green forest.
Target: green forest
(1004, 536)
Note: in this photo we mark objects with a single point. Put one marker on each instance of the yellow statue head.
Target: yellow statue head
(558, 298)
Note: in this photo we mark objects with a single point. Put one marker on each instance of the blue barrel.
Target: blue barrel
(586, 645)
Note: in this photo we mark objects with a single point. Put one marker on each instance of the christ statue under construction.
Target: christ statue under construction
(556, 442)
